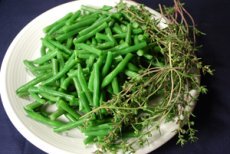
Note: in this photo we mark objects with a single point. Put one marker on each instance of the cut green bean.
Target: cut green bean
(62, 104)
(132, 74)
(133, 67)
(33, 106)
(89, 48)
(80, 24)
(69, 125)
(53, 93)
(37, 98)
(83, 84)
(100, 36)
(57, 114)
(115, 86)
(23, 90)
(110, 35)
(69, 117)
(45, 58)
(73, 17)
(89, 139)
(83, 38)
(96, 85)
(108, 63)
(59, 46)
(133, 48)
(42, 119)
(65, 36)
(91, 81)
(66, 68)
(83, 100)
(63, 19)
(120, 67)
(128, 34)
(97, 24)
(69, 43)
(65, 84)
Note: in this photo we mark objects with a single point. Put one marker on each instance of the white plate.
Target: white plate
(26, 45)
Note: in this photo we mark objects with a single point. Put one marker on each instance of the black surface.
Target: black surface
(212, 110)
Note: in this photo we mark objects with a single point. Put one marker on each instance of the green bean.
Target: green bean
(66, 68)
(73, 17)
(45, 58)
(97, 24)
(115, 86)
(59, 46)
(69, 125)
(90, 61)
(128, 34)
(106, 8)
(119, 47)
(48, 97)
(140, 52)
(80, 24)
(133, 48)
(137, 31)
(96, 85)
(57, 114)
(91, 81)
(108, 64)
(148, 56)
(62, 104)
(43, 50)
(32, 106)
(79, 90)
(66, 83)
(94, 42)
(30, 66)
(83, 100)
(120, 36)
(133, 67)
(44, 67)
(118, 58)
(89, 48)
(119, 68)
(117, 29)
(105, 45)
(63, 19)
(23, 90)
(67, 35)
(37, 98)
(132, 74)
(53, 93)
(54, 66)
(89, 139)
(69, 117)
(136, 40)
(83, 38)
(99, 127)
(84, 84)
(135, 25)
(102, 132)
(42, 119)
(55, 28)
(110, 35)
(69, 43)
(100, 36)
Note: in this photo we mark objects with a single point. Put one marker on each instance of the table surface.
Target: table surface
(212, 111)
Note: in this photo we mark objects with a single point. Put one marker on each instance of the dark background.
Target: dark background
(212, 110)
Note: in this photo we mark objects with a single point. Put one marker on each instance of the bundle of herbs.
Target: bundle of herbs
(165, 89)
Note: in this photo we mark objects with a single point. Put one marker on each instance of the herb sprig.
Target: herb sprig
(168, 81)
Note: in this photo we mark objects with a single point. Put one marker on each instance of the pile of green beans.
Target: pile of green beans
(86, 57)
